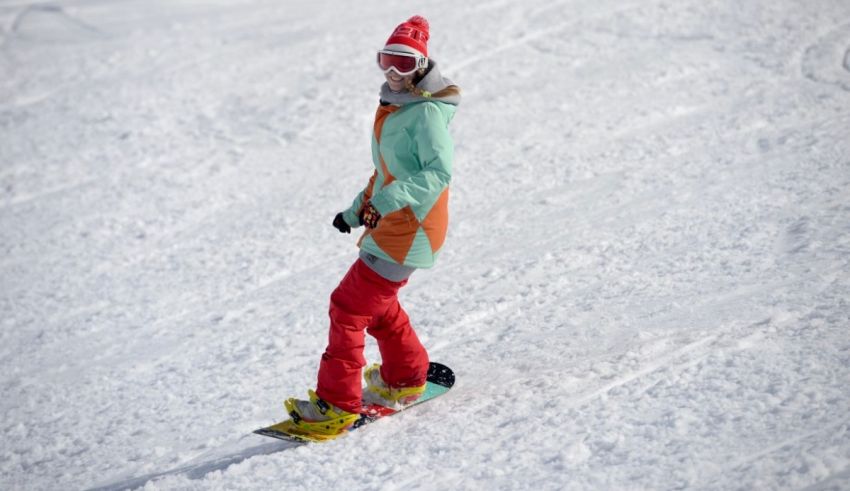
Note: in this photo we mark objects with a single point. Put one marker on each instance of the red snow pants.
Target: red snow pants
(364, 302)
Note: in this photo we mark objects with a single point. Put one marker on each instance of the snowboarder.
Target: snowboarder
(404, 208)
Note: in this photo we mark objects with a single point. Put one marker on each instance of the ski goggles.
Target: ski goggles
(401, 63)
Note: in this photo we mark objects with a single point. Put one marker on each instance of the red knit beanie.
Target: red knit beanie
(410, 36)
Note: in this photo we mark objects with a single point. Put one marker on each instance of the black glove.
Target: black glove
(341, 225)
(369, 216)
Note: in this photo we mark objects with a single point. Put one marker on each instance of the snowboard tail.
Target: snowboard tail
(440, 379)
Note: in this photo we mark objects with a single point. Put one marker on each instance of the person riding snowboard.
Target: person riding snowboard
(404, 208)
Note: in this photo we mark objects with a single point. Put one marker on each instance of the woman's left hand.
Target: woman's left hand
(369, 216)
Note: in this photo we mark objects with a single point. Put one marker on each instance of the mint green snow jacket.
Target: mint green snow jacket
(412, 152)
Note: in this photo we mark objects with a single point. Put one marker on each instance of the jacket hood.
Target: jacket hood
(431, 83)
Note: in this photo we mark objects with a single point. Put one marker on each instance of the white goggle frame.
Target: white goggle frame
(421, 61)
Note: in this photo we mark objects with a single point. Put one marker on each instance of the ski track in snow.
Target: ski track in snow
(645, 285)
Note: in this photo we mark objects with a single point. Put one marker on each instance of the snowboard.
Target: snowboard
(440, 379)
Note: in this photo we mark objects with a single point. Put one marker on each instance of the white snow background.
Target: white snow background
(646, 283)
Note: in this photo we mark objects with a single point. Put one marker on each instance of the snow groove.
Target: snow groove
(215, 460)
(785, 444)
(666, 362)
(63, 27)
(536, 34)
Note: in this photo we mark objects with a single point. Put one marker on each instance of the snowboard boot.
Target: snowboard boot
(318, 416)
(378, 392)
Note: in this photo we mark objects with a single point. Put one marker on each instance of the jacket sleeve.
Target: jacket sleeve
(435, 150)
(352, 214)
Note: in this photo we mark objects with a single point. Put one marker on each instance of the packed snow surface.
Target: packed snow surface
(646, 283)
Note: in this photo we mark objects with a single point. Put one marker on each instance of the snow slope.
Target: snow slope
(646, 283)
